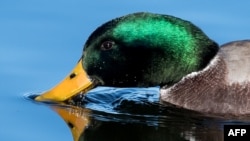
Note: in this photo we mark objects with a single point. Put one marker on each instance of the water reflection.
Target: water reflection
(109, 114)
(87, 125)
(76, 118)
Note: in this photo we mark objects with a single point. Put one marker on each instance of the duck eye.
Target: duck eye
(106, 45)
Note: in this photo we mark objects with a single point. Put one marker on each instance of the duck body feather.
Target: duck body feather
(223, 87)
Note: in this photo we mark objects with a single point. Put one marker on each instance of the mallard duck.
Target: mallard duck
(146, 49)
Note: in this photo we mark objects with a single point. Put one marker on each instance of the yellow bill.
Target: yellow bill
(77, 81)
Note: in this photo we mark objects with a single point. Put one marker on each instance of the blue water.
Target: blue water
(40, 42)
(117, 100)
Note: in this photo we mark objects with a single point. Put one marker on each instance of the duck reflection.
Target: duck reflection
(88, 125)
(76, 118)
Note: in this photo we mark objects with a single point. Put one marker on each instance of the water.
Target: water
(40, 42)
(135, 114)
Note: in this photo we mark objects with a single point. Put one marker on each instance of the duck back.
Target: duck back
(237, 58)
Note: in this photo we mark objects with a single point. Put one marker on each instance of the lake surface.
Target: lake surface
(41, 41)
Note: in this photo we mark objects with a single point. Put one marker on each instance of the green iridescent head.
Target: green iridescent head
(145, 49)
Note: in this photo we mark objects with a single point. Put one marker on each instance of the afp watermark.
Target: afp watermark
(237, 132)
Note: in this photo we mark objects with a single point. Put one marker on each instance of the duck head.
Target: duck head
(137, 50)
